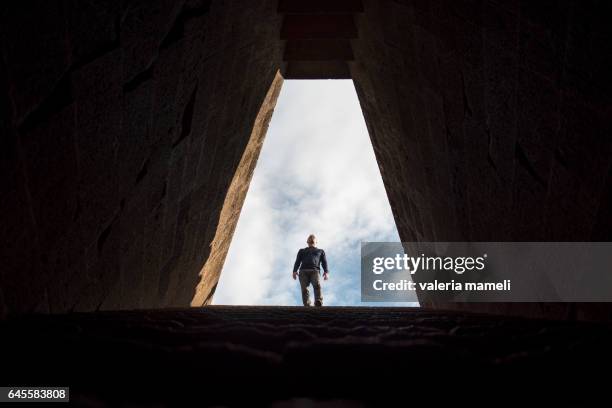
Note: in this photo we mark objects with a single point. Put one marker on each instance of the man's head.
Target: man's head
(311, 240)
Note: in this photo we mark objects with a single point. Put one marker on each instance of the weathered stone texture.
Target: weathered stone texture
(490, 120)
(130, 131)
(123, 125)
(234, 198)
(179, 356)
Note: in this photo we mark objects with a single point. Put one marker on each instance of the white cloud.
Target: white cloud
(316, 174)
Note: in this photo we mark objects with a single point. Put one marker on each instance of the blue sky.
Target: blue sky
(316, 174)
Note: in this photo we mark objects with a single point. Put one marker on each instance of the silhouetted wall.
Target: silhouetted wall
(491, 121)
(130, 129)
(123, 124)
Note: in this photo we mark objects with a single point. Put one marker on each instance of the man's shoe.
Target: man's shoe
(318, 303)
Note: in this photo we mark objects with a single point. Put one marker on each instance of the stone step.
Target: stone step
(266, 354)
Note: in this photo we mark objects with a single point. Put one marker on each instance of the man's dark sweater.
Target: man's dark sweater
(310, 258)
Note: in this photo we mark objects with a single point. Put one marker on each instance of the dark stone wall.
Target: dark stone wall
(130, 129)
(122, 126)
(490, 120)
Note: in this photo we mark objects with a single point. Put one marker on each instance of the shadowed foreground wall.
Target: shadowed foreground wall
(130, 130)
(490, 121)
(123, 124)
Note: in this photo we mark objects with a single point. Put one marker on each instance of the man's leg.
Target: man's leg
(316, 284)
(304, 283)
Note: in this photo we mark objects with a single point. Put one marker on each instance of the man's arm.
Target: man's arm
(297, 263)
(324, 261)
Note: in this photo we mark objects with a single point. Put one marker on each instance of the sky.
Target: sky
(316, 173)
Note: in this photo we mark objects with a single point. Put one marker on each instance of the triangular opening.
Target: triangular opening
(316, 173)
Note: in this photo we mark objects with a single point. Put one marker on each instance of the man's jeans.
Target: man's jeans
(308, 276)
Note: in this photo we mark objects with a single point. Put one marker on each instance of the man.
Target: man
(310, 258)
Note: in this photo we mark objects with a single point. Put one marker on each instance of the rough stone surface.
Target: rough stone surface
(123, 126)
(490, 121)
(130, 131)
(296, 356)
(236, 193)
